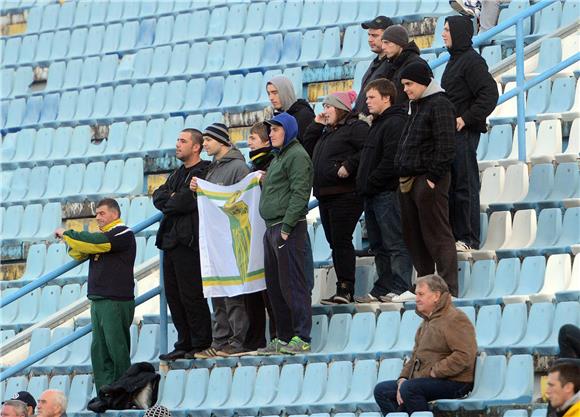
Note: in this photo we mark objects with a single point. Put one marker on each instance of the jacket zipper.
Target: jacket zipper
(408, 132)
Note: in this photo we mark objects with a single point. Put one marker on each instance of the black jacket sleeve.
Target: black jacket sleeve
(181, 201)
(484, 89)
(311, 136)
(162, 195)
(443, 125)
(385, 169)
(360, 133)
(304, 118)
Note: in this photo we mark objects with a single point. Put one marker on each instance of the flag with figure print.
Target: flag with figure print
(230, 237)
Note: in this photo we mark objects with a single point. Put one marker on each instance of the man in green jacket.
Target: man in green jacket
(283, 205)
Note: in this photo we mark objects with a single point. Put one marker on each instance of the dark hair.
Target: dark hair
(569, 372)
(260, 129)
(196, 135)
(111, 204)
(385, 88)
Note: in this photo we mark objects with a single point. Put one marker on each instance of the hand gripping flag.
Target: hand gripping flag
(231, 235)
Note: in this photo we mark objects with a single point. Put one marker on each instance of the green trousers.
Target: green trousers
(111, 346)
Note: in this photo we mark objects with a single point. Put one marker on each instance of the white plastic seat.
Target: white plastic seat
(492, 185)
(498, 234)
(557, 278)
(549, 142)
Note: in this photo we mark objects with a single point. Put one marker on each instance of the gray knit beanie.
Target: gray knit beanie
(396, 34)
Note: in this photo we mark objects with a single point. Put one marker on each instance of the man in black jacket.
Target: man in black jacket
(379, 66)
(423, 161)
(473, 92)
(377, 181)
(400, 53)
(178, 238)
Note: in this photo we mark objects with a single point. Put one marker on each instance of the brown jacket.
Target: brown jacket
(445, 343)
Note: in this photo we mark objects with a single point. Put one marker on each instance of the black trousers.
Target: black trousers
(426, 230)
(569, 341)
(339, 215)
(464, 190)
(286, 282)
(184, 292)
(256, 306)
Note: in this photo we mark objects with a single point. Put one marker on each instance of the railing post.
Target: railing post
(520, 80)
(162, 309)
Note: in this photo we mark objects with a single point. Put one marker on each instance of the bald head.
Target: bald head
(52, 403)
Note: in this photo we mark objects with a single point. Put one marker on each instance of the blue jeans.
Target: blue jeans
(416, 393)
(392, 259)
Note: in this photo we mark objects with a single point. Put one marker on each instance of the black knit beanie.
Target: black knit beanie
(418, 72)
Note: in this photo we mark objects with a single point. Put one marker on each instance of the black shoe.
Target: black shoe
(173, 355)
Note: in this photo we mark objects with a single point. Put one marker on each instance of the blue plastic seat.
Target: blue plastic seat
(213, 93)
(182, 22)
(23, 77)
(330, 46)
(570, 233)
(160, 61)
(514, 8)
(32, 112)
(60, 44)
(82, 13)
(241, 391)
(66, 107)
(548, 20)
(257, 11)
(156, 99)
(512, 329)
(15, 113)
(506, 280)
(143, 33)
(130, 10)
(567, 312)
(24, 146)
(34, 263)
(28, 308)
(386, 334)
(538, 99)
(132, 177)
(178, 60)
(312, 43)
(37, 182)
(274, 13)
(562, 96)
(34, 19)
(164, 28)
(565, 183)
(103, 102)
(313, 387)
(541, 185)
(195, 388)
(519, 382)
(153, 134)
(410, 323)
(538, 328)
(148, 344)
(543, 412)
(482, 278)
(548, 232)
(14, 385)
(80, 393)
(61, 383)
(66, 13)
(171, 394)
(135, 138)
(233, 54)
(94, 40)
(69, 294)
(293, 376)
(11, 50)
(7, 79)
(10, 229)
(500, 143)
(215, 56)
(37, 385)
(487, 324)
(198, 23)
(217, 21)
(236, 19)
(56, 75)
(78, 42)
(19, 185)
(218, 389)
(74, 69)
(84, 106)
(360, 338)
(58, 357)
(285, 53)
(112, 38)
(340, 379)
(265, 389)
(197, 57)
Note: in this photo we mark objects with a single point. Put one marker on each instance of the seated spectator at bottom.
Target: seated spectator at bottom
(442, 364)
(52, 403)
(27, 399)
(14, 408)
(157, 411)
(569, 341)
(563, 389)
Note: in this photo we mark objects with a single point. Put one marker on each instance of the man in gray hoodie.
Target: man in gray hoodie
(231, 319)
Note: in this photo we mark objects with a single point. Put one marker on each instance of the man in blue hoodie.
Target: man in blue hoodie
(284, 205)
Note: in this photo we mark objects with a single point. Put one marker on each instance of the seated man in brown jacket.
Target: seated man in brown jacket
(442, 364)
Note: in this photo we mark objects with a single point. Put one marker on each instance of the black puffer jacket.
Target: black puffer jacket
(335, 147)
(180, 224)
(304, 115)
(379, 68)
(409, 55)
(376, 171)
(466, 79)
(427, 144)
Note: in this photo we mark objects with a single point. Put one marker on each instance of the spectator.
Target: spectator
(178, 238)
(400, 53)
(569, 341)
(157, 411)
(14, 408)
(257, 303)
(379, 67)
(563, 389)
(111, 285)
(423, 161)
(442, 364)
(283, 99)
(487, 11)
(377, 183)
(231, 319)
(52, 403)
(27, 399)
(283, 205)
(336, 137)
(473, 92)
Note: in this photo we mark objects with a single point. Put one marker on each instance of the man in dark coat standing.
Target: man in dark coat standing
(473, 92)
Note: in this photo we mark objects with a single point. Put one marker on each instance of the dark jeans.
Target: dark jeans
(286, 283)
(569, 341)
(392, 259)
(184, 293)
(416, 393)
(464, 190)
(339, 215)
(426, 229)
(256, 306)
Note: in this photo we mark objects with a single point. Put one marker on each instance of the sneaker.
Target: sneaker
(273, 348)
(388, 298)
(460, 7)
(406, 296)
(230, 350)
(344, 298)
(365, 299)
(209, 353)
(462, 246)
(296, 346)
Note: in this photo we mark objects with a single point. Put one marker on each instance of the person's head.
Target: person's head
(258, 136)
(281, 93)
(381, 94)
(415, 78)
(107, 211)
(563, 382)
(395, 38)
(52, 403)
(157, 411)
(375, 29)
(188, 145)
(337, 106)
(457, 32)
(14, 408)
(27, 399)
(428, 292)
(216, 140)
(283, 130)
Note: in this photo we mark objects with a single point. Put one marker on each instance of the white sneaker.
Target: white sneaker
(388, 298)
(462, 247)
(406, 296)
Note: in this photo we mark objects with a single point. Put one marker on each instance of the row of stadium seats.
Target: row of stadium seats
(33, 223)
(141, 101)
(506, 189)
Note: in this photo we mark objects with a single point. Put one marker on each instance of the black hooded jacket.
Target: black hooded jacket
(376, 171)
(408, 55)
(466, 79)
(379, 68)
(304, 115)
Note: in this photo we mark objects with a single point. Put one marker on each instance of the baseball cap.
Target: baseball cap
(379, 22)
(25, 397)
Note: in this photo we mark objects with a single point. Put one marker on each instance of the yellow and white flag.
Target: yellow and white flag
(231, 233)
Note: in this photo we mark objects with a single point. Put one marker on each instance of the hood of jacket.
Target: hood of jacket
(409, 50)
(461, 31)
(432, 89)
(290, 126)
(285, 91)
